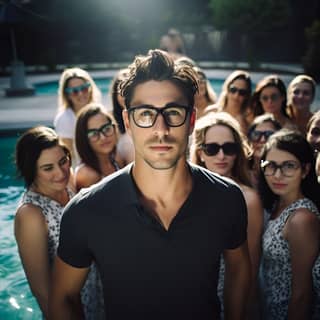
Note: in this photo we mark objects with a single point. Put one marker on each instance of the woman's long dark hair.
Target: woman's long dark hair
(294, 143)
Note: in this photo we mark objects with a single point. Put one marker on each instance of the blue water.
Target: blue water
(16, 300)
(51, 88)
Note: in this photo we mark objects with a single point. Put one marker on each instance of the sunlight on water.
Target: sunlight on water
(16, 300)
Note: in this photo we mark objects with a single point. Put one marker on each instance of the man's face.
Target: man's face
(160, 146)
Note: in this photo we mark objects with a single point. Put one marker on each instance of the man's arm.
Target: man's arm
(236, 282)
(64, 295)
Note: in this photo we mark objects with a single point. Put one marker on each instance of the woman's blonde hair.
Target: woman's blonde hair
(240, 171)
(70, 73)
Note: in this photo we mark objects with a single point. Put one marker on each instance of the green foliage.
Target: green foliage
(250, 16)
(311, 60)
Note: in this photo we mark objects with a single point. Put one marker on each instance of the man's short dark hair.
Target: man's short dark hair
(158, 65)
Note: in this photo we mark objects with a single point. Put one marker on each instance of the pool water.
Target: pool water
(51, 88)
(16, 300)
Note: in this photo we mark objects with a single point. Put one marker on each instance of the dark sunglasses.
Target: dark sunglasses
(234, 89)
(315, 131)
(75, 90)
(256, 135)
(228, 148)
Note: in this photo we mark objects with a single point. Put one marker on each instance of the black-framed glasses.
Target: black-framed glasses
(145, 116)
(315, 131)
(256, 135)
(273, 97)
(228, 148)
(287, 168)
(107, 130)
(75, 90)
(242, 92)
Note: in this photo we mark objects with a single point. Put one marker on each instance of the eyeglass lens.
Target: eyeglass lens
(228, 148)
(234, 89)
(256, 135)
(75, 90)
(107, 130)
(287, 168)
(274, 97)
(315, 131)
(145, 116)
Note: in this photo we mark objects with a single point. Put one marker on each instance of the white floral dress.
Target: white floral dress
(91, 294)
(275, 271)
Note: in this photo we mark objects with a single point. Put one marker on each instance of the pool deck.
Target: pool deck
(25, 112)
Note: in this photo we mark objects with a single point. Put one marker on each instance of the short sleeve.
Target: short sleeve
(238, 218)
(64, 124)
(73, 247)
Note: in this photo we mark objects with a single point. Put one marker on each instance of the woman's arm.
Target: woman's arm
(31, 234)
(302, 231)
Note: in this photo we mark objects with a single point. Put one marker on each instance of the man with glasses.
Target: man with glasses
(157, 228)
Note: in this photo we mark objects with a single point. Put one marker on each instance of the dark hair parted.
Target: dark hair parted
(28, 150)
(158, 65)
(267, 82)
(84, 149)
(294, 143)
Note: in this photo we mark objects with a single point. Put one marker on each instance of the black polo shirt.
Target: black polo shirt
(148, 272)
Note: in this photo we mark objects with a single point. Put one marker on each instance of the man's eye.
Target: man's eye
(146, 113)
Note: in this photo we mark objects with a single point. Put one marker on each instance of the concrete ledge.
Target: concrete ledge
(19, 92)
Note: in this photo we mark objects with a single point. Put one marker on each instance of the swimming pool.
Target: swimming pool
(51, 87)
(16, 300)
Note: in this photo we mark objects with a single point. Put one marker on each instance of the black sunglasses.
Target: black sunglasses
(315, 131)
(256, 135)
(228, 148)
(234, 89)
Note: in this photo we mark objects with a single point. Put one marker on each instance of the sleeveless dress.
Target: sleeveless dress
(275, 271)
(91, 294)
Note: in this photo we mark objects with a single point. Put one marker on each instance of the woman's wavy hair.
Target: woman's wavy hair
(84, 149)
(240, 170)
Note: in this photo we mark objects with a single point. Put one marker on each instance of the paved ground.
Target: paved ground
(25, 112)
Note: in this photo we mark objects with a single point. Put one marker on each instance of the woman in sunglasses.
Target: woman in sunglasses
(96, 142)
(270, 96)
(234, 98)
(290, 269)
(76, 89)
(259, 131)
(219, 145)
(301, 93)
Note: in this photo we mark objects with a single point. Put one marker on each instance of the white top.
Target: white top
(65, 123)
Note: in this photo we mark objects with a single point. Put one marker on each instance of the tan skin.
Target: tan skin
(30, 227)
(302, 231)
(223, 164)
(85, 176)
(160, 155)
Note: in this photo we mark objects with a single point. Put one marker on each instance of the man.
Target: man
(157, 228)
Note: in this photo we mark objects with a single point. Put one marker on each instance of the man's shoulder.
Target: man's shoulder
(207, 177)
(109, 190)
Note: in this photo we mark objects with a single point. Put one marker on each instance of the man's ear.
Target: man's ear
(125, 117)
(193, 118)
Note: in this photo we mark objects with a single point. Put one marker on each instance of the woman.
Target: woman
(96, 142)
(259, 131)
(76, 89)
(44, 163)
(125, 145)
(219, 146)
(301, 93)
(234, 98)
(205, 96)
(313, 131)
(270, 96)
(290, 269)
